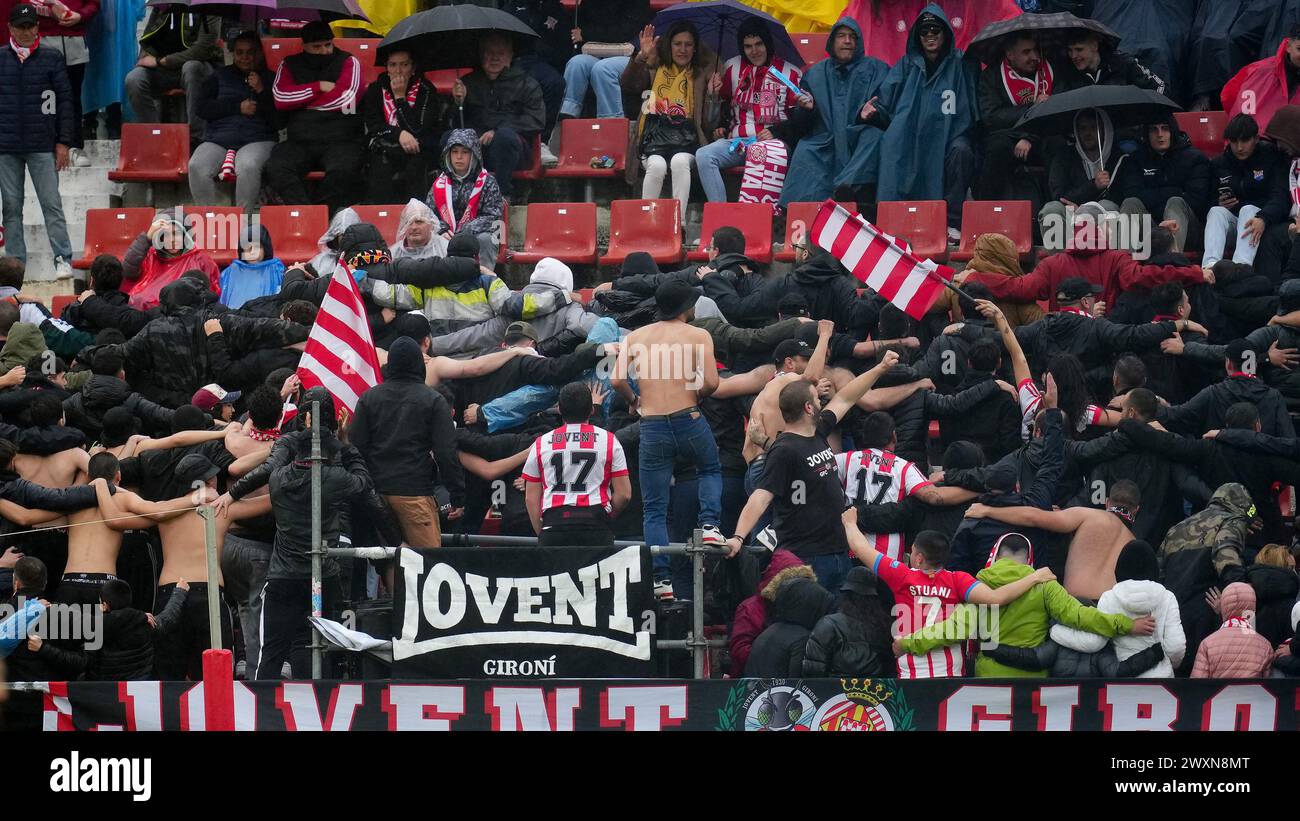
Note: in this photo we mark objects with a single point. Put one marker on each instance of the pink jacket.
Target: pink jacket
(1234, 651)
(751, 615)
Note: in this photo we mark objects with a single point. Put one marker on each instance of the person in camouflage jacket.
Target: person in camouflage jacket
(1205, 551)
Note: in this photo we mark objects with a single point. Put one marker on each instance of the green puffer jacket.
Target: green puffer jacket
(1023, 623)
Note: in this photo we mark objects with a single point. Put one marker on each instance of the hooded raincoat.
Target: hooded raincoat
(146, 269)
(416, 210)
(839, 150)
(243, 281)
(925, 107)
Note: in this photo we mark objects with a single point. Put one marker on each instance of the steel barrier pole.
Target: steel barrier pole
(214, 589)
(317, 548)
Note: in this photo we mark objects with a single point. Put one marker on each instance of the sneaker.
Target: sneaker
(548, 156)
(78, 158)
(767, 538)
(954, 236)
(663, 590)
(713, 537)
(62, 270)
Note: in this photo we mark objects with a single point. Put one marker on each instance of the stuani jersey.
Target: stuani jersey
(920, 600)
(875, 476)
(575, 464)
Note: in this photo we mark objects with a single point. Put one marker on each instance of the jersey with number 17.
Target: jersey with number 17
(575, 464)
(874, 476)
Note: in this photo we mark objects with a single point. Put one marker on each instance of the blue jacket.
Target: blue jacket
(25, 127)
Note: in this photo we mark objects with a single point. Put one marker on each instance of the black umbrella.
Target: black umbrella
(1126, 106)
(988, 44)
(448, 36)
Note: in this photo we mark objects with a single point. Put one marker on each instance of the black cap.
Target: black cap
(1288, 296)
(413, 324)
(1075, 289)
(23, 15)
(463, 245)
(195, 467)
(928, 20)
(860, 580)
(791, 347)
(520, 330)
(674, 298)
(317, 31)
(792, 305)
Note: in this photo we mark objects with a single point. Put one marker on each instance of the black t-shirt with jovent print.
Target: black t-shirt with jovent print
(809, 498)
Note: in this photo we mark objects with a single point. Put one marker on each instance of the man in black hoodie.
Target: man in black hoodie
(1253, 193)
(404, 429)
(319, 90)
(107, 389)
(1167, 177)
(1209, 408)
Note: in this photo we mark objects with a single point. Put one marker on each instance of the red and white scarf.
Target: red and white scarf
(390, 105)
(1239, 622)
(24, 53)
(442, 200)
(765, 166)
(258, 435)
(1294, 180)
(1023, 91)
(757, 99)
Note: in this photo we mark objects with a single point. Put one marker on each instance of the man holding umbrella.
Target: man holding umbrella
(318, 90)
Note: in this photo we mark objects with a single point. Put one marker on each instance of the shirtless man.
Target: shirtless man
(674, 366)
(95, 538)
(56, 469)
(1098, 535)
(793, 360)
(180, 653)
(115, 437)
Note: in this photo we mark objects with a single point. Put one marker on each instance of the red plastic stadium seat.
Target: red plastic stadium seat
(1010, 217)
(383, 217)
(363, 48)
(653, 226)
(444, 78)
(275, 49)
(1205, 129)
(533, 171)
(581, 140)
(811, 45)
(754, 219)
(111, 230)
(216, 230)
(60, 302)
(923, 223)
(799, 218)
(563, 230)
(295, 230)
(153, 152)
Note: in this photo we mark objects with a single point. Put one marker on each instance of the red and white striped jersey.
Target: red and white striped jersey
(876, 476)
(1031, 398)
(575, 464)
(920, 600)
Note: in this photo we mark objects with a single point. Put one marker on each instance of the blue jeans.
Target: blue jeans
(584, 72)
(661, 441)
(710, 160)
(753, 475)
(831, 569)
(46, 180)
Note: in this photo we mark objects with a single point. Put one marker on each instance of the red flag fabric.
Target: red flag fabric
(340, 354)
(881, 262)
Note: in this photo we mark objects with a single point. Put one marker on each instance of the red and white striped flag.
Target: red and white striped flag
(340, 353)
(881, 262)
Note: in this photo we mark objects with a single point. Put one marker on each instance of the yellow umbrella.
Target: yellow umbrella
(383, 14)
(797, 15)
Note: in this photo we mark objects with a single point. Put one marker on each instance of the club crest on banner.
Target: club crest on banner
(865, 705)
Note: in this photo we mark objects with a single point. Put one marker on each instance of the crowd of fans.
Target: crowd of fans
(1115, 455)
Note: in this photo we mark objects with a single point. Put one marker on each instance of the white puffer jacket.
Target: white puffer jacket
(1134, 599)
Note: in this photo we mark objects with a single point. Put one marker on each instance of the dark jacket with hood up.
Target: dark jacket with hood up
(796, 607)
(127, 652)
(108, 309)
(751, 614)
(912, 416)
(400, 426)
(100, 394)
(171, 358)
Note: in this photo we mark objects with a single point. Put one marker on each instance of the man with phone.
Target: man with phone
(1253, 193)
